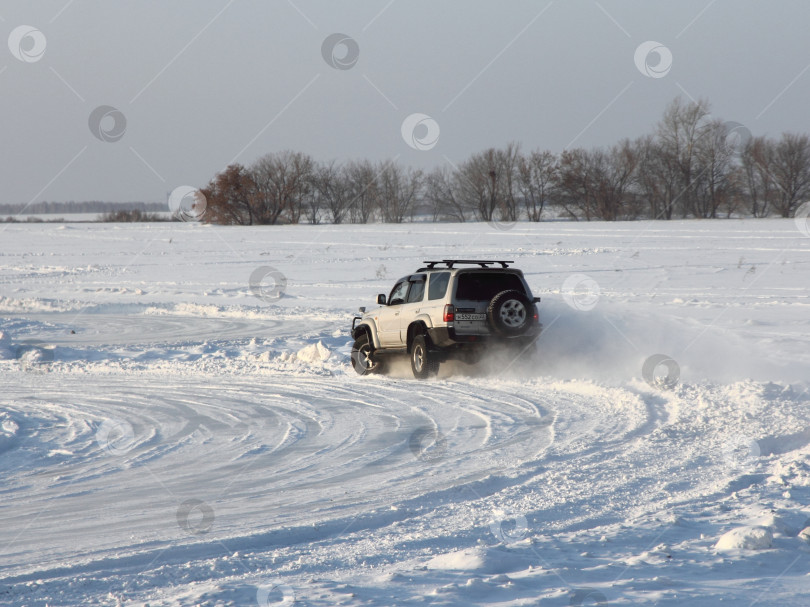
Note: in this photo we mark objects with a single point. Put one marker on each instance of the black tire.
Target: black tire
(423, 361)
(510, 313)
(361, 362)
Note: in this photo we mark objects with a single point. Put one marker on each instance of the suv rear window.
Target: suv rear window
(483, 286)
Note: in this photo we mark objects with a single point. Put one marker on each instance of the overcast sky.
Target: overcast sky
(191, 86)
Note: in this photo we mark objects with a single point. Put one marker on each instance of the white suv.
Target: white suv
(442, 311)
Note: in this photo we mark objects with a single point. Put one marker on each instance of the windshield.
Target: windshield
(398, 293)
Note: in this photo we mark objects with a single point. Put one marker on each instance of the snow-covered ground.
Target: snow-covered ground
(179, 427)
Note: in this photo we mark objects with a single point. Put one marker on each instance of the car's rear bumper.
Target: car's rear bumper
(447, 337)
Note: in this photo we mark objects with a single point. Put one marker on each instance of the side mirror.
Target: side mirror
(536, 300)
(362, 309)
(381, 299)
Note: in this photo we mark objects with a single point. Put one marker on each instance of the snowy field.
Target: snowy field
(178, 427)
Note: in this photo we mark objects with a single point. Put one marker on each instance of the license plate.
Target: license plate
(471, 316)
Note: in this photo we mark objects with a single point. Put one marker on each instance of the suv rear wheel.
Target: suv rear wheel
(423, 361)
(509, 313)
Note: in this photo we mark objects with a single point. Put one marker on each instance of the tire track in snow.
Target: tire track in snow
(269, 455)
(269, 451)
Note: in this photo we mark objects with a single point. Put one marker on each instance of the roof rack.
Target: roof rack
(449, 263)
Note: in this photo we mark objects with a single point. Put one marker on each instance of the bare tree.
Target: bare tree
(475, 186)
(398, 189)
(678, 133)
(282, 183)
(575, 184)
(313, 203)
(441, 192)
(228, 197)
(791, 172)
(508, 161)
(488, 183)
(654, 182)
(537, 174)
(714, 180)
(333, 188)
(361, 180)
(616, 198)
(760, 189)
(598, 184)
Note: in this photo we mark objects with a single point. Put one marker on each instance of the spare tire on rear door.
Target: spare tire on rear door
(509, 313)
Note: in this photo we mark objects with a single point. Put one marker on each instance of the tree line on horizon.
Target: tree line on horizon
(84, 206)
(692, 165)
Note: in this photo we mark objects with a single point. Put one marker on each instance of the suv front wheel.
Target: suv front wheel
(423, 361)
(361, 360)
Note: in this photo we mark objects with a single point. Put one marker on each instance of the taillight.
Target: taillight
(449, 313)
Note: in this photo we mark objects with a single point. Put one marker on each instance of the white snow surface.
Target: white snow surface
(745, 538)
(170, 435)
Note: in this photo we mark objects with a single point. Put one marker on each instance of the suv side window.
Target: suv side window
(438, 285)
(399, 293)
(417, 291)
